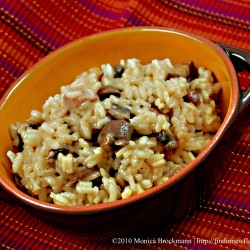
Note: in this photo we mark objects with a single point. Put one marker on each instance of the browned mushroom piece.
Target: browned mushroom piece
(20, 143)
(53, 153)
(119, 69)
(107, 91)
(192, 96)
(82, 172)
(119, 113)
(163, 136)
(116, 132)
(171, 145)
(167, 138)
(172, 75)
(33, 124)
(193, 71)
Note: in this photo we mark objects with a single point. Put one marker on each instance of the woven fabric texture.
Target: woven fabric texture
(31, 29)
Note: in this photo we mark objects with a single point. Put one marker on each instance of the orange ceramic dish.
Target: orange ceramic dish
(161, 205)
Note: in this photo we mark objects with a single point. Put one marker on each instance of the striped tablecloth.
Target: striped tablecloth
(31, 29)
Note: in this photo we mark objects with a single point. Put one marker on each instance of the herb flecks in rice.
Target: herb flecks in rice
(116, 131)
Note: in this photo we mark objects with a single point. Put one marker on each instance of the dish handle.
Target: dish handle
(241, 61)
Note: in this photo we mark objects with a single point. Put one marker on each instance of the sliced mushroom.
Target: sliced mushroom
(192, 96)
(164, 136)
(119, 113)
(167, 138)
(107, 91)
(171, 145)
(118, 71)
(193, 71)
(20, 143)
(82, 172)
(116, 132)
(33, 124)
(172, 75)
(53, 153)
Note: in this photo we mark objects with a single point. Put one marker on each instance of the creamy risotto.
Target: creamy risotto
(115, 131)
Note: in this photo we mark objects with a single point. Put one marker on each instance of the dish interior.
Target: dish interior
(62, 66)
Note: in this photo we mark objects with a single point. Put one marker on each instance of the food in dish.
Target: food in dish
(115, 131)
